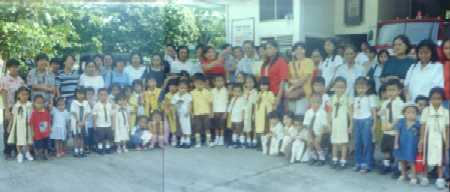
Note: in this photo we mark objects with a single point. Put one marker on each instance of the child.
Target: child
(271, 141)
(340, 122)
(79, 110)
(390, 113)
(158, 129)
(102, 113)
(151, 96)
(201, 109)
(236, 110)
(421, 103)
(136, 101)
(406, 141)
(250, 94)
(120, 123)
(89, 139)
(316, 122)
(220, 102)
(140, 135)
(115, 90)
(434, 135)
(318, 88)
(61, 119)
(40, 122)
(182, 102)
(20, 133)
(299, 150)
(364, 119)
(170, 111)
(263, 106)
(290, 132)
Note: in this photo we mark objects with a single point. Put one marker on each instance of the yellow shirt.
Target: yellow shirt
(201, 102)
(301, 70)
(151, 100)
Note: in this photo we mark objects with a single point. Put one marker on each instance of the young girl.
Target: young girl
(20, 133)
(434, 135)
(151, 96)
(140, 135)
(79, 110)
(236, 110)
(170, 111)
(340, 122)
(158, 128)
(263, 106)
(182, 102)
(61, 119)
(290, 132)
(220, 102)
(120, 123)
(250, 95)
(40, 122)
(406, 141)
(364, 118)
(271, 141)
(316, 122)
(299, 150)
(136, 101)
(115, 90)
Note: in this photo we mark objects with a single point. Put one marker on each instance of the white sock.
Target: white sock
(234, 138)
(107, 146)
(76, 150)
(100, 146)
(242, 138)
(335, 159)
(81, 150)
(386, 163)
(254, 141)
(343, 161)
(321, 156)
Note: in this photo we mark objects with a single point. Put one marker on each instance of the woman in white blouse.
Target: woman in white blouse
(426, 74)
(91, 77)
(331, 62)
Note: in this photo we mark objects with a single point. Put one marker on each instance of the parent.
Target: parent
(42, 81)
(136, 69)
(67, 79)
(91, 78)
(374, 73)
(212, 64)
(183, 63)
(426, 74)
(118, 76)
(445, 49)
(9, 84)
(155, 71)
(107, 69)
(274, 67)
(331, 62)
(245, 65)
(397, 66)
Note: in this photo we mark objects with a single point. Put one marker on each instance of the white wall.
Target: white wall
(318, 18)
(370, 18)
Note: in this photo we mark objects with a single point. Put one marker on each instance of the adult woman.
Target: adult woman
(300, 76)
(183, 63)
(375, 71)
(331, 62)
(67, 80)
(426, 73)
(136, 69)
(107, 69)
(91, 77)
(397, 66)
(41, 80)
(445, 49)
(118, 76)
(155, 71)
(212, 64)
(274, 67)
(316, 57)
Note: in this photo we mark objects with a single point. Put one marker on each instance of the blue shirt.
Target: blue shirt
(119, 78)
(67, 83)
(397, 67)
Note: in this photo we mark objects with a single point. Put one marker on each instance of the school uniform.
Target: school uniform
(201, 107)
(135, 107)
(408, 140)
(250, 100)
(103, 122)
(151, 102)
(121, 124)
(362, 130)
(21, 133)
(289, 136)
(316, 121)
(263, 106)
(277, 134)
(220, 104)
(61, 120)
(390, 113)
(300, 151)
(340, 119)
(436, 122)
(236, 110)
(182, 103)
(79, 111)
(420, 81)
(170, 112)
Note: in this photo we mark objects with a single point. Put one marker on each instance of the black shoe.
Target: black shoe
(101, 151)
(385, 170)
(320, 163)
(334, 165)
(76, 155)
(312, 162)
(82, 155)
(178, 146)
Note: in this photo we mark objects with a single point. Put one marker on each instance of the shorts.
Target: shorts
(79, 131)
(237, 127)
(42, 144)
(103, 133)
(219, 121)
(200, 123)
(387, 143)
(325, 141)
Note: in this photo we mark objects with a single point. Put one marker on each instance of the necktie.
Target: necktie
(336, 112)
(124, 117)
(313, 121)
(81, 113)
(105, 113)
(390, 115)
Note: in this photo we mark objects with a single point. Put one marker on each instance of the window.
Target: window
(275, 9)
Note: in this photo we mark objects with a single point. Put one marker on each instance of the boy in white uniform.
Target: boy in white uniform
(182, 101)
(102, 114)
(316, 121)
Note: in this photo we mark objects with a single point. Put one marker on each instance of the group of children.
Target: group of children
(245, 114)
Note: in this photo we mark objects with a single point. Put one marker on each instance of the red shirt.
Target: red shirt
(218, 69)
(447, 79)
(276, 73)
(40, 123)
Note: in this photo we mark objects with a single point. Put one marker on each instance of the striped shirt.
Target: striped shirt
(67, 83)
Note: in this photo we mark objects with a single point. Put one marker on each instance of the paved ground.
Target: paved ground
(191, 170)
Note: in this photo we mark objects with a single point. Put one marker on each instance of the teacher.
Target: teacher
(275, 67)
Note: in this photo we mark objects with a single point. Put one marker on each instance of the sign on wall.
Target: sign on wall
(353, 12)
(242, 30)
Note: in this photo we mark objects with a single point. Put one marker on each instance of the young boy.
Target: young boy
(182, 102)
(89, 139)
(390, 113)
(270, 141)
(220, 103)
(201, 110)
(236, 115)
(316, 121)
(102, 115)
(40, 122)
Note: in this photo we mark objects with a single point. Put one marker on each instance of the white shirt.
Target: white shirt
(362, 107)
(188, 66)
(182, 102)
(350, 75)
(328, 68)
(397, 108)
(277, 130)
(220, 100)
(420, 81)
(361, 58)
(236, 108)
(320, 120)
(95, 82)
(75, 109)
(134, 73)
(103, 112)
